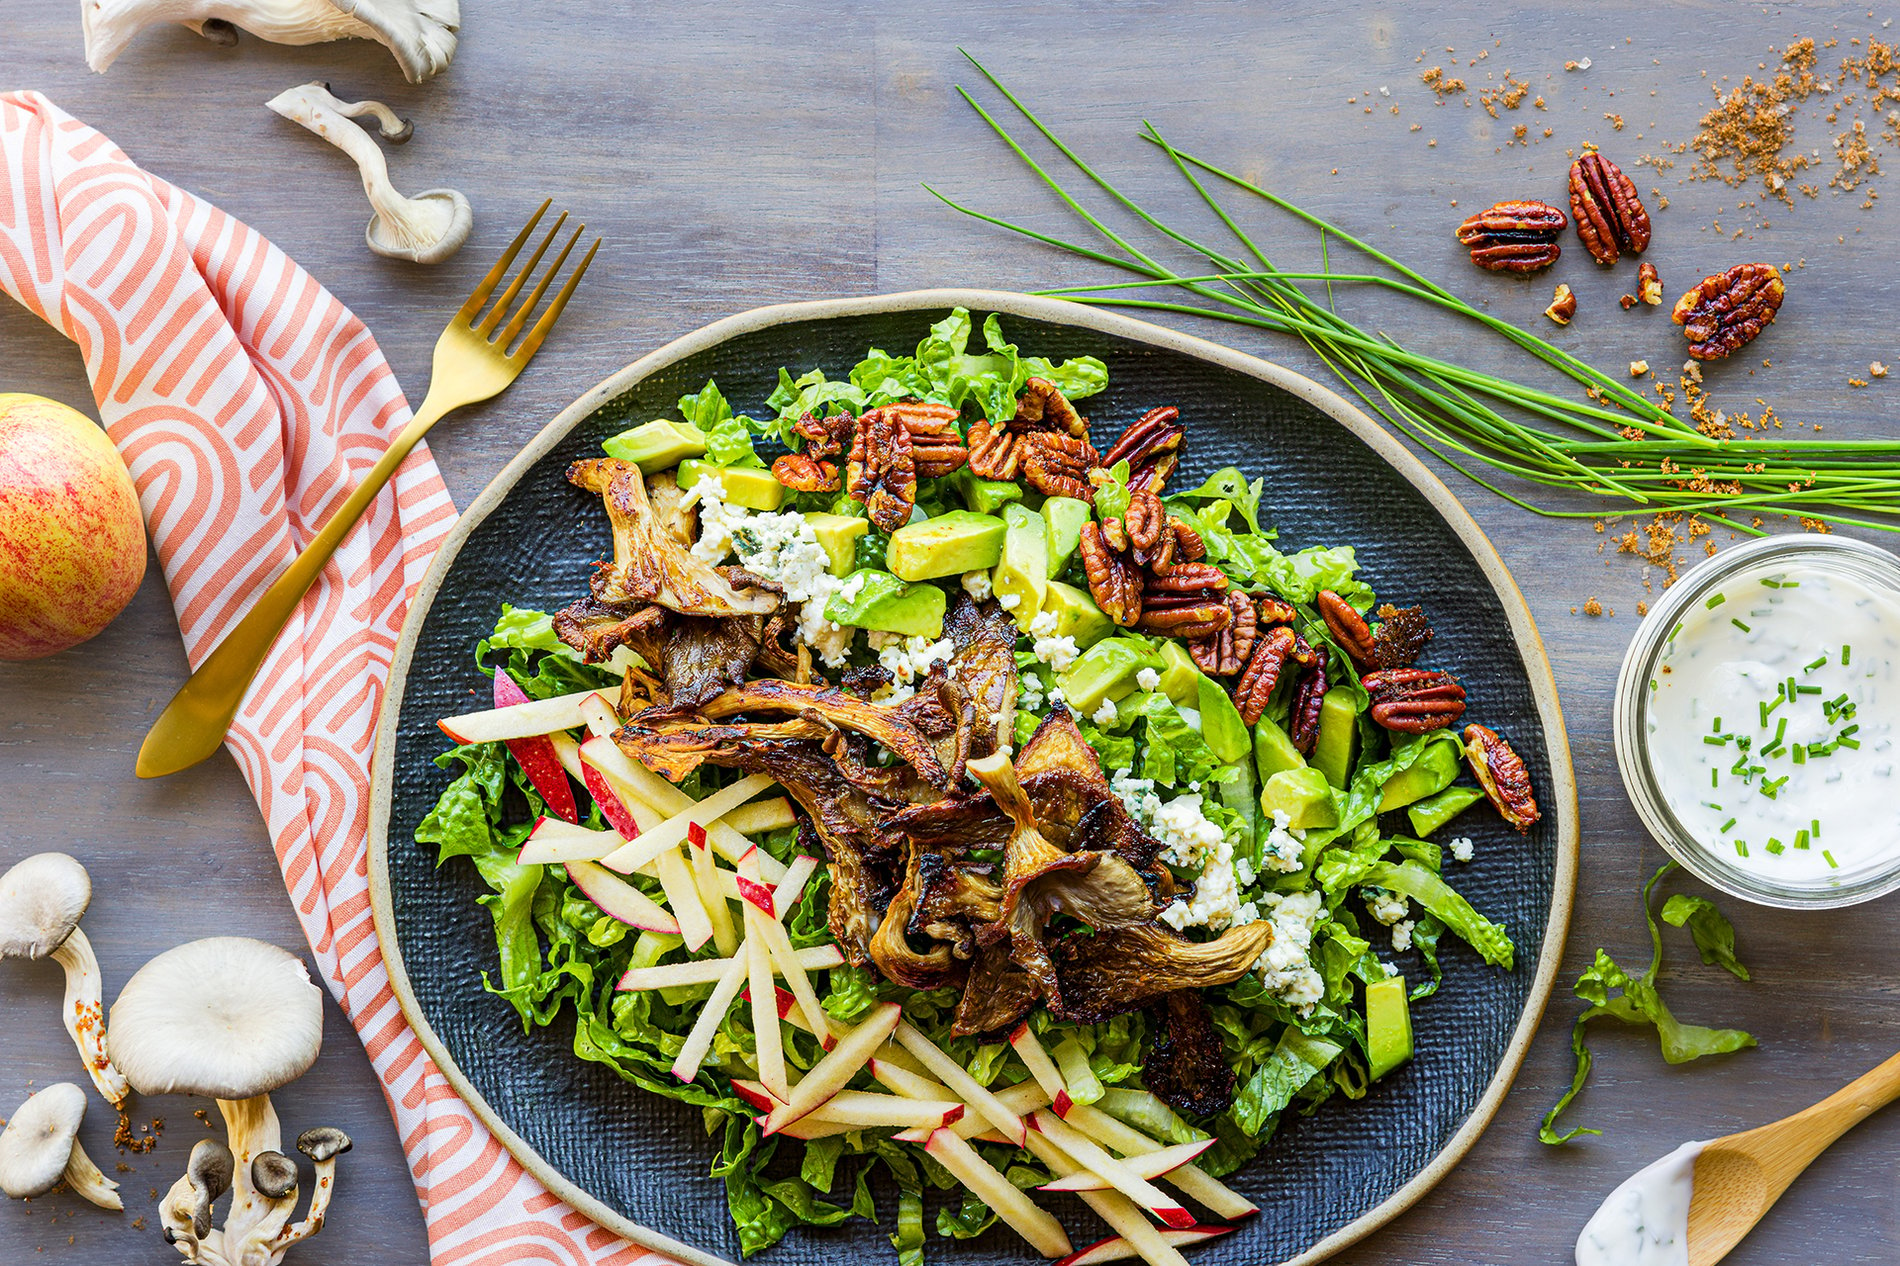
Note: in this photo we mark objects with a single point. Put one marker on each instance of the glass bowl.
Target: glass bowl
(1714, 860)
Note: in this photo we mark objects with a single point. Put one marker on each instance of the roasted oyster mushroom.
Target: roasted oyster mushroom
(1104, 976)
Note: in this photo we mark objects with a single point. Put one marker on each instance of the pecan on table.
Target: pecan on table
(1114, 581)
(1414, 700)
(1514, 237)
(1649, 284)
(1563, 304)
(1723, 312)
(1403, 632)
(1500, 771)
(1189, 602)
(1058, 465)
(1610, 217)
(1308, 695)
(1347, 626)
(1151, 446)
(882, 471)
(1275, 648)
(1222, 654)
(934, 443)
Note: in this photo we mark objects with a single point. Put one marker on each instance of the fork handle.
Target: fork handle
(195, 722)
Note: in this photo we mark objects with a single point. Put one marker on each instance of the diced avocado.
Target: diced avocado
(1065, 517)
(1106, 670)
(1430, 774)
(1388, 1025)
(838, 534)
(1434, 811)
(881, 601)
(1024, 567)
(1221, 725)
(747, 486)
(657, 445)
(1180, 679)
(947, 545)
(1076, 614)
(1338, 735)
(1273, 751)
(987, 496)
(1304, 796)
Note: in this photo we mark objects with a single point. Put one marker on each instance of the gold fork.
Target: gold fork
(472, 363)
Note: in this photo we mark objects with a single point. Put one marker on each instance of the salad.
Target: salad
(952, 803)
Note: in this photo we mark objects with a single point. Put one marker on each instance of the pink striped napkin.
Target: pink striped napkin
(247, 401)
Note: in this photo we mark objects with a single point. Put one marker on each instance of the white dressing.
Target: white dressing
(1645, 1221)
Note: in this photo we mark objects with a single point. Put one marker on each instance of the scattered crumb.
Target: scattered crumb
(1877, 370)
(1592, 607)
(1637, 367)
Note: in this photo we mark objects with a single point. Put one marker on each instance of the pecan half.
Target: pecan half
(1150, 531)
(1043, 406)
(1057, 465)
(1151, 446)
(1610, 217)
(1500, 771)
(1722, 313)
(1275, 610)
(825, 436)
(1189, 602)
(1563, 305)
(1347, 626)
(1271, 653)
(1403, 632)
(1414, 700)
(1188, 545)
(1514, 237)
(881, 472)
(1649, 284)
(1222, 654)
(801, 472)
(934, 443)
(1114, 581)
(1303, 720)
(993, 452)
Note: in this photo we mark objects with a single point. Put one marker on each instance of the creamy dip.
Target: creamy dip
(1770, 724)
(1645, 1222)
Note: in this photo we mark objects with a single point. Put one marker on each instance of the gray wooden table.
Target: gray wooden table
(755, 150)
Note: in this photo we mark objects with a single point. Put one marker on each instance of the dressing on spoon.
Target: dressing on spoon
(1645, 1222)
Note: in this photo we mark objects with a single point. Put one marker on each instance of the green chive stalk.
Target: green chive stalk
(1501, 434)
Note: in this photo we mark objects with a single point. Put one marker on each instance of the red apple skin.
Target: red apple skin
(72, 542)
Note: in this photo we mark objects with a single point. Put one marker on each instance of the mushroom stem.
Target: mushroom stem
(85, 1178)
(186, 1213)
(85, 1014)
(395, 130)
(251, 1129)
(322, 1145)
(274, 1178)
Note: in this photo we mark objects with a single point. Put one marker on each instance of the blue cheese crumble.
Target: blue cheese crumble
(781, 548)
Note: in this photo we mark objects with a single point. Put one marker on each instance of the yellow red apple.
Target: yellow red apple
(72, 542)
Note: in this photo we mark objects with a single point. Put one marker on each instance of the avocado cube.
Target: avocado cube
(1180, 677)
(1106, 670)
(882, 602)
(1221, 725)
(657, 445)
(1435, 811)
(1304, 796)
(1434, 770)
(1273, 751)
(947, 545)
(748, 486)
(1388, 1025)
(987, 496)
(1024, 567)
(1076, 614)
(838, 534)
(1338, 736)
(1065, 517)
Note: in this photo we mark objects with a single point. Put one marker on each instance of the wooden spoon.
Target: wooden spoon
(1739, 1178)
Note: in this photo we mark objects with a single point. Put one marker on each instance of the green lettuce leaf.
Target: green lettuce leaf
(1447, 906)
(1297, 1060)
(1714, 935)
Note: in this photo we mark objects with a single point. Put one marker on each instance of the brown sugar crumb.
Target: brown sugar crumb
(203, 1116)
(1616, 122)
(138, 1223)
(1592, 607)
(1816, 525)
(1510, 94)
(1642, 608)
(1441, 83)
(126, 1141)
(123, 1168)
(1857, 382)
(1877, 370)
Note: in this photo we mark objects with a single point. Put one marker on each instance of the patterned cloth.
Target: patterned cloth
(247, 402)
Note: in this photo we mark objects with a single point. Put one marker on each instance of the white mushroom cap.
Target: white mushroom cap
(227, 1017)
(38, 1140)
(41, 901)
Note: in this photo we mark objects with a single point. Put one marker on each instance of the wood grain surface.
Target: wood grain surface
(752, 151)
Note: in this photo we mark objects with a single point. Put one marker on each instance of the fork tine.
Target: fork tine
(500, 309)
(470, 309)
(524, 311)
(546, 323)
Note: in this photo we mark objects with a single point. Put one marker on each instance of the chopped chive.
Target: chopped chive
(1793, 690)
(1715, 601)
(1781, 729)
(1819, 663)
(1725, 827)
(1815, 826)
(1773, 749)
(1852, 729)
(1799, 753)
(1715, 740)
(1715, 778)
(1738, 624)
(1830, 859)
(1741, 848)
(1770, 582)
(1717, 727)
(1776, 847)
(1800, 839)
(1847, 656)
(1810, 690)
(1852, 744)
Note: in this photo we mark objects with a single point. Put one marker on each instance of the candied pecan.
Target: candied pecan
(1563, 305)
(1222, 654)
(1303, 720)
(993, 452)
(1723, 312)
(1114, 582)
(825, 436)
(1188, 545)
(1271, 653)
(1500, 771)
(934, 444)
(1403, 632)
(1649, 284)
(1346, 625)
(882, 473)
(1275, 610)
(1043, 406)
(1151, 446)
(1414, 700)
(1189, 602)
(1058, 465)
(1610, 217)
(802, 472)
(1514, 237)
(1150, 531)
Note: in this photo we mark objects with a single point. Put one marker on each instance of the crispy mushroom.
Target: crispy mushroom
(425, 229)
(233, 1019)
(40, 1149)
(186, 1212)
(421, 33)
(41, 902)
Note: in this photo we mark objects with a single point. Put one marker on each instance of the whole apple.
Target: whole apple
(72, 542)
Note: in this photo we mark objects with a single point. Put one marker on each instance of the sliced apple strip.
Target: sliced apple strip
(987, 1103)
(1123, 1216)
(567, 750)
(646, 792)
(1017, 1210)
(706, 971)
(761, 816)
(812, 1128)
(1194, 1182)
(768, 1041)
(830, 1074)
(711, 895)
(619, 899)
(1023, 1097)
(553, 842)
(1091, 1156)
(1147, 1165)
(764, 926)
(672, 832)
(676, 880)
(699, 1038)
(1041, 1067)
(1117, 1249)
(868, 1110)
(536, 755)
(904, 1082)
(520, 720)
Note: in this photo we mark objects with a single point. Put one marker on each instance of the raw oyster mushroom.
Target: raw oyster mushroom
(421, 33)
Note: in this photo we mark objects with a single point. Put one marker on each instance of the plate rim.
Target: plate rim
(1529, 644)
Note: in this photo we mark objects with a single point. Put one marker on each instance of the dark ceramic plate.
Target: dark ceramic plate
(636, 1162)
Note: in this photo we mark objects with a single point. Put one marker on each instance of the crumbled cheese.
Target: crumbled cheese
(1189, 840)
(1106, 714)
(977, 584)
(853, 586)
(1285, 848)
(1133, 793)
(1010, 601)
(1385, 906)
(1244, 873)
(1043, 624)
(1029, 694)
(717, 519)
(909, 663)
(1148, 679)
(878, 639)
(1461, 848)
(1286, 968)
(781, 548)
(1056, 695)
(1057, 652)
(1402, 935)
